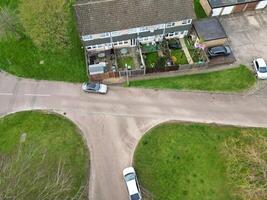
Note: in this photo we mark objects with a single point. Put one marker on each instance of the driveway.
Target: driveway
(248, 35)
(113, 124)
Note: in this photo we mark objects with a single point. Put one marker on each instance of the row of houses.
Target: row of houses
(107, 24)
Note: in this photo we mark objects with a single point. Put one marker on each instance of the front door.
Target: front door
(133, 42)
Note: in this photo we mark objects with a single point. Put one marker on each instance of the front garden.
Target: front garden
(125, 62)
(203, 162)
(163, 54)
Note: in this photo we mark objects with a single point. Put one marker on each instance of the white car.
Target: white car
(260, 68)
(95, 88)
(132, 183)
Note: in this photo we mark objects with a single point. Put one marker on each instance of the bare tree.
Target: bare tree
(26, 175)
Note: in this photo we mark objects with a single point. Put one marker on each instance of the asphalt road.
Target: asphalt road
(113, 124)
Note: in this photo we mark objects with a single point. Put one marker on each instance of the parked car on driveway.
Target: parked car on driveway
(95, 88)
(219, 51)
(260, 68)
(132, 183)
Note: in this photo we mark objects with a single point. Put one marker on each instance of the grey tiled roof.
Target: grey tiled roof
(98, 16)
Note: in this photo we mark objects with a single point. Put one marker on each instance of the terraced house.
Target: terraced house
(107, 24)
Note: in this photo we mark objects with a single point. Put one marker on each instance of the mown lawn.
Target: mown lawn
(125, 61)
(22, 58)
(200, 13)
(229, 80)
(202, 162)
(180, 56)
(50, 140)
(151, 59)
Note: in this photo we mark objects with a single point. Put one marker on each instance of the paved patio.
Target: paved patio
(247, 33)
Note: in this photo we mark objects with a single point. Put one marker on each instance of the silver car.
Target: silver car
(95, 88)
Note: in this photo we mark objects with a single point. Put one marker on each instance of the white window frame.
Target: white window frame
(187, 21)
(170, 24)
(104, 35)
(87, 37)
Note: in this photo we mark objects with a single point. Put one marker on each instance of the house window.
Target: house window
(132, 30)
(169, 25)
(170, 34)
(104, 35)
(143, 29)
(125, 42)
(116, 33)
(87, 37)
(120, 43)
(188, 21)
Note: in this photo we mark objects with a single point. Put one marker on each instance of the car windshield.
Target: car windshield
(218, 50)
(263, 69)
(135, 197)
(129, 177)
(93, 86)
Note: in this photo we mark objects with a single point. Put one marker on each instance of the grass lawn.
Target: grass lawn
(22, 58)
(202, 162)
(229, 80)
(180, 56)
(151, 59)
(200, 13)
(52, 138)
(126, 60)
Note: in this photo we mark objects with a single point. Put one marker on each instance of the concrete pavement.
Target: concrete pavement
(247, 34)
(114, 123)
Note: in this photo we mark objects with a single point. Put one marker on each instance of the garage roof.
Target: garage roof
(99, 16)
(209, 29)
(223, 3)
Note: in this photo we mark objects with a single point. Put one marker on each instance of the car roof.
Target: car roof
(128, 170)
(132, 187)
(261, 62)
(218, 48)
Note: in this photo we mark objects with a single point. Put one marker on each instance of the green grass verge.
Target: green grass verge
(151, 59)
(125, 60)
(194, 162)
(180, 56)
(22, 58)
(229, 80)
(54, 138)
(200, 13)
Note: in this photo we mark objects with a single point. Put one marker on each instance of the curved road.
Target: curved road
(113, 124)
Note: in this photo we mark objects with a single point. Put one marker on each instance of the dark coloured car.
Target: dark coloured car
(219, 51)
